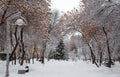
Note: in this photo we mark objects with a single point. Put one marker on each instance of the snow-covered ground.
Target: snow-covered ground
(62, 69)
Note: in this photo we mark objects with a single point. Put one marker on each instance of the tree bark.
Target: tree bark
(12, 45)
(10, 58)
(22, 45)
(100, 58)
(43, 51)
(15, 47)
(108, 47)
(7, 66)
(3, 17)
(93, 56)
(35, 51)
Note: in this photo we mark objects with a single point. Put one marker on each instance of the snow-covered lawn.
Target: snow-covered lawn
(62, 69)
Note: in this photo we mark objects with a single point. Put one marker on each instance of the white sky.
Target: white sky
(65, 5)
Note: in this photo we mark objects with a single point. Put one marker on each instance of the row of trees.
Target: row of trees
(37, 35)
(19, 41)
(104, 26)
(28, 41)
(96, 20)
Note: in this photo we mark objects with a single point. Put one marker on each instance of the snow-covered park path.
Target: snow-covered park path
(62, 69)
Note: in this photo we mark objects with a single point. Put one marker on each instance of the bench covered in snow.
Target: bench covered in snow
(23, 71)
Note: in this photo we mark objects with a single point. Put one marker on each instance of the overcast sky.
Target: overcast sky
(65, 5)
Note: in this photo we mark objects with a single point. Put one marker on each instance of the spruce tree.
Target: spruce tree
(59, 53)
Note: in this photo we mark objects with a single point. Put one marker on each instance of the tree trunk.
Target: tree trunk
(100, 58)
(15, 58)
(3, 17)
(10, 58)
(14, 47)
(33, 59)
(108, 48)
(43, 51)
(22, 46)
(11, 40)
(35, 51)
(7, 66)
(93, 56)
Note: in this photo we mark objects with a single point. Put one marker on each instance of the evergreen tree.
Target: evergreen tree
(59, 53)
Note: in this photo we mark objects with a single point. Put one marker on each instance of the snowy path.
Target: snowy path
(63, 69)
